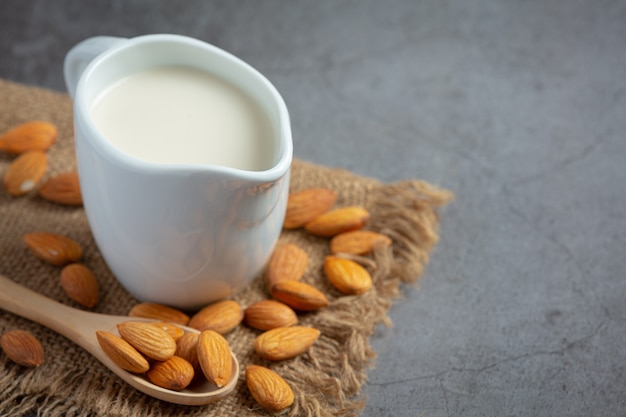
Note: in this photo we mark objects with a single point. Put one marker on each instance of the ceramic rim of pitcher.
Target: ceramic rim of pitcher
(101, 144)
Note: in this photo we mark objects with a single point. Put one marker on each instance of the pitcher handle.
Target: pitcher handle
(79, 57)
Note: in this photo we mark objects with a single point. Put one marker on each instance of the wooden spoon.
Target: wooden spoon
(80, 327)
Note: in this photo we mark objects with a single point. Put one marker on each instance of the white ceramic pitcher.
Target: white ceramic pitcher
(178, 234)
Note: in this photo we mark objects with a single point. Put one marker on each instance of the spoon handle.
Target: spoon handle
(29, 304)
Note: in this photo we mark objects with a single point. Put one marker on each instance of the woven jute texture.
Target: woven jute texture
(327, 380)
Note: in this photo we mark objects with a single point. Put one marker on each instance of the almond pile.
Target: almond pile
(169, 357)
(312, 210)
(172, 358)
(165, 353)
(29, 143)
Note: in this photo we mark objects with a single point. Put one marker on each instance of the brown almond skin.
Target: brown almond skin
(159, 312)
(299, 295)
(285, 342)
(62, 189)
(52, 248)
(338, 221)
(222, 316)
(268, 388)
(186, 348)
(269, 314)
(358, 242)
(170, 328)
(25, 172)
(30, 136)
(22, 348)
(288, 261)
(148, 339)
(175, 373)
(347, 276)
(304, 206)
(215, 357)
(80, 284)
(122, 353)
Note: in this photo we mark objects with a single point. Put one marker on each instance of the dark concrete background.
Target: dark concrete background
(519, 107)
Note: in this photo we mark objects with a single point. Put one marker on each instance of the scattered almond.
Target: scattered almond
(159, 312)
(299, 295)
(122, 353)
(62, 189)
(80, 284)
(338, 221)
(268, 388)
(358, 242)
(25, 172)
(222, 316)
(186, 348)
(215, 357)
(148, 339)
(347, 276)
(304, 206)
(288, 261)
(269, 314)
(22, 348)
(55, 249)
(175, 373)
(285, 342)
(30, 136)
(170, 328)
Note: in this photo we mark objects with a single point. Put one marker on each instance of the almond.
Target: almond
(269, 314)
(52, 248)
(347, 276)
(304, 206)
(186, 348)
(30, 136)
(80, 284)
(175, 373)
(62, 189)
(25, 172)
(268, 388)
(215, 357)
(288, 261)
(22, 348)
(148, 339)
(122, 353)
(159, 312)
(222, 316)
(285, 342)
(172, 329)
(358, 242)
(338, 221)
(299, 295)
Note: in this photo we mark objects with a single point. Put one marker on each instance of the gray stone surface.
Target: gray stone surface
(519, 107)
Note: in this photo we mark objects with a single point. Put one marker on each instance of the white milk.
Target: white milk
(183, 115)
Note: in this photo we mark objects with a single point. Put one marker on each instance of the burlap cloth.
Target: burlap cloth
(327, 380)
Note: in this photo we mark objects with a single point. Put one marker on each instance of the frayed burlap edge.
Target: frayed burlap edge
(407, 212)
